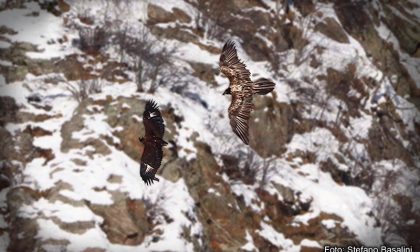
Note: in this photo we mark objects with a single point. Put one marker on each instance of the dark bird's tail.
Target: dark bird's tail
(263, 86)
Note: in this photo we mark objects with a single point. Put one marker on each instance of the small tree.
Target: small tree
(152, 61)
(121, 39)
(83, 88)
(93, 39)
(156, 67)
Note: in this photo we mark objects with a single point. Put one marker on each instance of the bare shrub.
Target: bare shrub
(240, 165)
(81, 89)
(152, 61)
(251, 165)
(393, 192)
(247, 165)
(157, 68)
(267, 164)
(92, 40)
(310, 95)
(239, 162)
(121, 39)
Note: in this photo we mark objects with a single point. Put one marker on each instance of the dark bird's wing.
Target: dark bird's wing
(229, 58)
(239, 112)
(147, 173)
(152, 120)
(152, 153)
(151, 159)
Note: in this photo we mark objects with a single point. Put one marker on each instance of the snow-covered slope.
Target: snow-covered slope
(333, 157)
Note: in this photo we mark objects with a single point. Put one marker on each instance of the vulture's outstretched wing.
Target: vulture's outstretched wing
(229, 58)
(148, 173)
(241, 88)
(239, 112)
(152, 120)
(152, 153)
(151, 159)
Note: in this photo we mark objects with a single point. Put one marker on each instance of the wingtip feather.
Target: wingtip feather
(151, 104)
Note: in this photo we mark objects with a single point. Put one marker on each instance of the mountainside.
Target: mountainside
(334, 149)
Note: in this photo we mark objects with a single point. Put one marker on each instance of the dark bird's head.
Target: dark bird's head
(227, 91)
(141, 140)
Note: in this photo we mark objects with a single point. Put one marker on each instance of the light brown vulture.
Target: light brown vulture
(241, 88)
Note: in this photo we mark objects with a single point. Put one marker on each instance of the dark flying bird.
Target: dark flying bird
(153, 143)
(241, 88)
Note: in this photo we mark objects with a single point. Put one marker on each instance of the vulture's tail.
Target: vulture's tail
(263, 86)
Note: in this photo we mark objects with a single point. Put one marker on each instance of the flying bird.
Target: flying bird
(241, 88)
(153, 143)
